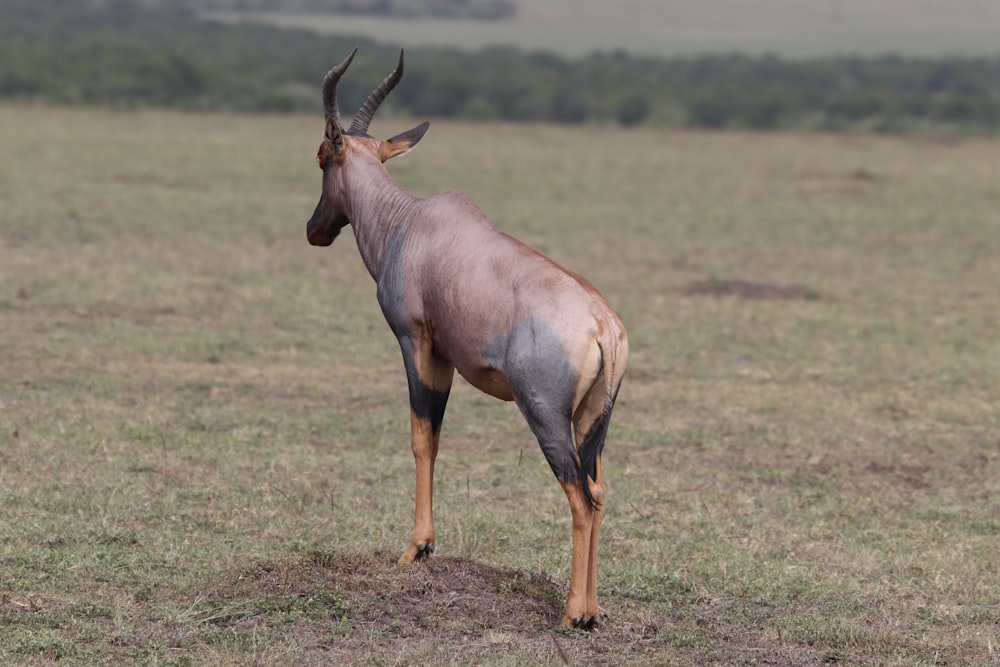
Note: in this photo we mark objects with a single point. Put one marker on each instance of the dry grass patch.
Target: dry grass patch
(204, 437)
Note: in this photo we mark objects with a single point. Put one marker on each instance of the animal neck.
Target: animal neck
(378, 206)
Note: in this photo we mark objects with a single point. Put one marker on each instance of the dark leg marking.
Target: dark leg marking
(427, 403)
(543, 384)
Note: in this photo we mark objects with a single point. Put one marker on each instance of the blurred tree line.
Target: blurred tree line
(121, 53)
(481, 10)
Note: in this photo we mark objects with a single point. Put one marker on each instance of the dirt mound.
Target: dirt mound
(442, 591)
(346, 608)
(372, 589)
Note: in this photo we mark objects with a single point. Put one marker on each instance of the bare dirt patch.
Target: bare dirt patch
(338, 606)
(439, 592)
(344, 604)
(747, 289)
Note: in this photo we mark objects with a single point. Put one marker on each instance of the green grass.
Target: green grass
(203, 428)
(678, 27)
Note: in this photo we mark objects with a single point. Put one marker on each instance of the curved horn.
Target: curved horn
(330, 88)
(364, 115)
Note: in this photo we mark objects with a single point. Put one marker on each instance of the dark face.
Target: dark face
(327, 220)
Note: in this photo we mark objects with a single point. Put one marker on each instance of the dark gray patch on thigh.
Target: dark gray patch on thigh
(543, 382)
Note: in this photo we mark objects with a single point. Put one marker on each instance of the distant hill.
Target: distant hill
(666, 28)
(470, 10)
(140, 53)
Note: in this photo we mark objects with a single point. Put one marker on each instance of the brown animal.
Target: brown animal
(460, 294)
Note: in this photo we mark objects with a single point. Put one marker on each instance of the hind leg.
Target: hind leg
(548, 385)
(581, 607)
(553, 430)
(590, 422)
(598, 492)
(582, 610)
(556, 441)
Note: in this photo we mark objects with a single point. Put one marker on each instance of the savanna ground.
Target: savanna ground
(204, 434)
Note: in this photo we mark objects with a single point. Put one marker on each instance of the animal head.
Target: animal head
(341, 149)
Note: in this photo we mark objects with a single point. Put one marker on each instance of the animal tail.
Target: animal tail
(614, 354)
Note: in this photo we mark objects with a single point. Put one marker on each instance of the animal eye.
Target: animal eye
(323, 154)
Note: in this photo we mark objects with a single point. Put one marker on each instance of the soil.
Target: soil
(350, 607)
(746, 289)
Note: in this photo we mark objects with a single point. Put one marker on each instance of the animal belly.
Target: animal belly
(489, 381)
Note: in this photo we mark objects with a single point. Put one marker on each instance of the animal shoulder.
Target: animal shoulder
(456, 206)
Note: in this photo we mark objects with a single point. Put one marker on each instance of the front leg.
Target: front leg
(430, 381)
(424, 442)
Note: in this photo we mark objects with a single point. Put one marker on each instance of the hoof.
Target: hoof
(587, 623)
(418, 552)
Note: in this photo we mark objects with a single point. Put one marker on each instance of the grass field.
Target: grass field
(204, 435)
(794, 28)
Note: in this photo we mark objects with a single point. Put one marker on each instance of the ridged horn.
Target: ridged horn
(364, 116)
(330, 88)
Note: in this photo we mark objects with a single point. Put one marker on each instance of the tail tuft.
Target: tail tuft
(614, 354)
(590, 451)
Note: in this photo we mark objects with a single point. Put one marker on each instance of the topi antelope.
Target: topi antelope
(459, 294)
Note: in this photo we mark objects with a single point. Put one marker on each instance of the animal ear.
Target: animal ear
(402, 143)
(335, 136)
